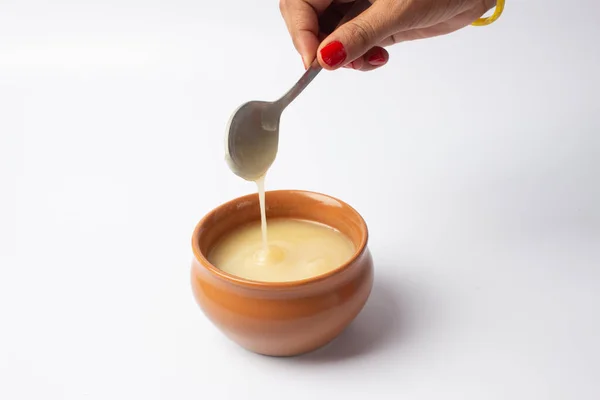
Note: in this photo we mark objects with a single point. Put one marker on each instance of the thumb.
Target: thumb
(354, 38)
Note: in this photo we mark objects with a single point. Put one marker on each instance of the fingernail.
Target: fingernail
(333, 54)
(305, 62)
(377, 58)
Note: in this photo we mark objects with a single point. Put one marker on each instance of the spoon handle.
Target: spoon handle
(358, 7)
(302, 83)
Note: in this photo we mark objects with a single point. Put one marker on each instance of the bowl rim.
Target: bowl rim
(203, 261)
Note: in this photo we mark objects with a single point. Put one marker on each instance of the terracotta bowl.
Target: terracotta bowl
(287, 318)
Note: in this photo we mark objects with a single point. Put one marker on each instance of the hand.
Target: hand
(358, 44)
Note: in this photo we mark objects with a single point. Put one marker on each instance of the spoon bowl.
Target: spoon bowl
(253, 138)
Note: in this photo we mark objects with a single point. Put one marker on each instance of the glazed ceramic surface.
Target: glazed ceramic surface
(287, 318)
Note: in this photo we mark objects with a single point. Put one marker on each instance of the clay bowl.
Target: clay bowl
(287, 318)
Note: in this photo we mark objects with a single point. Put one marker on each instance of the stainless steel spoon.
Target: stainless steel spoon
(252, 135)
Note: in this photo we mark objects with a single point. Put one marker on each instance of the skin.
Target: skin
(383, 23)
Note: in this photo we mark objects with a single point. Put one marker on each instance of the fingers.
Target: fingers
(356, 44)
(301, 19)
(453, 24)
(372, 59)
(353, 39)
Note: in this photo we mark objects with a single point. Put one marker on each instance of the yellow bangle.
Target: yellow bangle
(493, 17)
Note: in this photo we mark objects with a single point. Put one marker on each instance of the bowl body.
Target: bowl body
(282, 318)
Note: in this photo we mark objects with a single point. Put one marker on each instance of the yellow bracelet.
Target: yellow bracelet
(493, 17)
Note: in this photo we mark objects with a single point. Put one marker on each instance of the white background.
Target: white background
(474, 158)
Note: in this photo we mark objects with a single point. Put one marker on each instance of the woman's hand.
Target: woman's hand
(359, 43)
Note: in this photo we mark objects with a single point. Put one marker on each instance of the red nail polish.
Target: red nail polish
(333, 54)
(377, 58)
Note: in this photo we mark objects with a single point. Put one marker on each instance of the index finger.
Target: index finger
(302, 21)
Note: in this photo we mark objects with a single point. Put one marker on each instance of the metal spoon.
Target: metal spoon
(252, 134)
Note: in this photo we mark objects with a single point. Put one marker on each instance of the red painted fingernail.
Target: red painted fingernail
(377, 58)
(333, 54)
